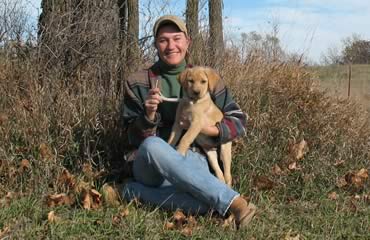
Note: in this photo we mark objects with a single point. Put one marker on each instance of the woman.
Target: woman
(162, 176)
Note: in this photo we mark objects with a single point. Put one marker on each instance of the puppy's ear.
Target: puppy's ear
(213, 78)
(182, 77)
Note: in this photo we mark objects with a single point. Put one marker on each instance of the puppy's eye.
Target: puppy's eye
(203, 81)
(191, 81)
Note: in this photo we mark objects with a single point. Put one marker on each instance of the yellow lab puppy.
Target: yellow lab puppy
(198, 108)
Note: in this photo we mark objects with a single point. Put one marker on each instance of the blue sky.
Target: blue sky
(305, 26)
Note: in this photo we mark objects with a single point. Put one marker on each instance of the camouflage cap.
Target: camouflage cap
(169, 19)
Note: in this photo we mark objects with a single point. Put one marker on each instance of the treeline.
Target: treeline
(354, 50)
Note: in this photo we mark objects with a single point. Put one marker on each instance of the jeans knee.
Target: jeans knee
(151, 144)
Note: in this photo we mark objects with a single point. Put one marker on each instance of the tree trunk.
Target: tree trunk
(193, 30)
(133, 49)
(216, 40)
(123, 15)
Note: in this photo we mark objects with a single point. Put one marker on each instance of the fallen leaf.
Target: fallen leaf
(333, 196)
(3, 118)
(187, 232)
(10, 196)
(60, 199)
(179, 218)
(91, 199)
(192, 222)
(339, 163)
(52, 218)
(289, 236)
(276, 170)
(357, 179)
(169, 226)
(110, 195)
(45, 152)
(341, 182)
(24, 166)
(297, 151)
(67, 179)
(124, 212)
(263, 183)
(116, 220)
(363, 173)
(357, 197)
(86, 200)
(294, 166)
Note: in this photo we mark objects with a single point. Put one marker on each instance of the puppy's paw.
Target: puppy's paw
(228, 180)
(182, 151)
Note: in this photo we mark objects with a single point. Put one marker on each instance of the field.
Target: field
(335, 79)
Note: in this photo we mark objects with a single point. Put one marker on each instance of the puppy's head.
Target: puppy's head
(198, 81)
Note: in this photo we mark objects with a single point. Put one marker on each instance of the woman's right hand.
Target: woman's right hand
(151, 103)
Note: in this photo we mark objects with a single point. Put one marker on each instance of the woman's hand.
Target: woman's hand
(211, 131)
(151, 103)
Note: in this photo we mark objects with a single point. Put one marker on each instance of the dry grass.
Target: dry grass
(55, 125)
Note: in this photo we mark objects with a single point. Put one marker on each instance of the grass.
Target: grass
(335, 80)
(315, 217)
(55, 126)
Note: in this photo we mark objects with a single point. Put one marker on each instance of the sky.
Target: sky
(305, 26)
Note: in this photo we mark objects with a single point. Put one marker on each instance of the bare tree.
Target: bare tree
(13, 21)
(216, 40)
(356, 51)
(331, 56)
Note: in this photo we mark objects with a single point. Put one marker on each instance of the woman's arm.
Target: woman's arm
(234, 122)
(137, 124)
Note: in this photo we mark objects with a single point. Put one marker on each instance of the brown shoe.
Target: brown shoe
(242, 211)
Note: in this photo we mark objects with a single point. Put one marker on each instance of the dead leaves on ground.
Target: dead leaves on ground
(52, 217)
(45, 152)
(53, 200)
(263, 183)
(91, 199)
(79, 191)
(296, 153)
(123, 213)
(354, 180)
(24, 166)
(185, 225)
(298, 150)
(3, 118)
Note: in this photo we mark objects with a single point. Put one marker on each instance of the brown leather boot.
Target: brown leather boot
(242, 211)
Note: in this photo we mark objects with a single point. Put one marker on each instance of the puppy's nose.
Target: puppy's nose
(196, 93)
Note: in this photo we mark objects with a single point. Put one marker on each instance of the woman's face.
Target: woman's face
(171, 44)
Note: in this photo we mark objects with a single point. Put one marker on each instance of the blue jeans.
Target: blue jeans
(166, 179)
